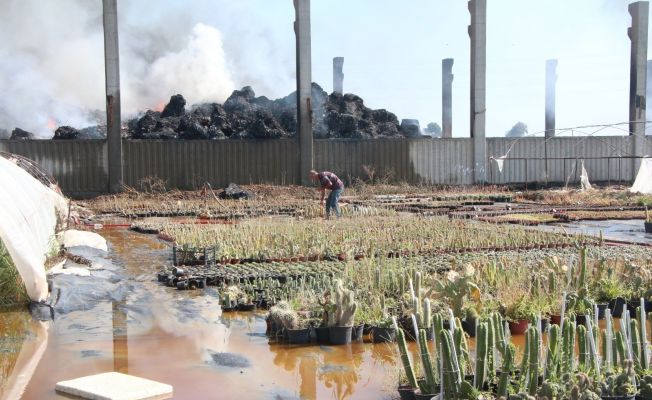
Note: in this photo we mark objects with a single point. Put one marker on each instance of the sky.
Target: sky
(52, 60)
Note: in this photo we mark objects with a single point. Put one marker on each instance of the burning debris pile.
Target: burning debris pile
(245, 116)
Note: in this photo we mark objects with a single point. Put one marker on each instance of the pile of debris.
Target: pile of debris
(245, 116)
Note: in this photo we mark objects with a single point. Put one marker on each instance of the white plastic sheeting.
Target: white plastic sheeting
(28, 219)
(74, 238)
(584, 179)
(643, 182)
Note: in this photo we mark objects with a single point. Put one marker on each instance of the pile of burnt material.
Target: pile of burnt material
(245, 116)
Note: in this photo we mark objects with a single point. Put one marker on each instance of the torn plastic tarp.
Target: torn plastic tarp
(584, 178)
(500, 161)
(643, 182)
(29, 211)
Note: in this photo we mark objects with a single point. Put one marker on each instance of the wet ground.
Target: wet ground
(620, 230)
(181, 338)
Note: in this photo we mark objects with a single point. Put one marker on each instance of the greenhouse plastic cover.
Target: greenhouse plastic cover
(28, 219)
(643, 182)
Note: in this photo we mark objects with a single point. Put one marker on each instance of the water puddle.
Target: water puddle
(620, 230)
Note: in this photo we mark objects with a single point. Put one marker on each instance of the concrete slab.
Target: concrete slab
(115, 386)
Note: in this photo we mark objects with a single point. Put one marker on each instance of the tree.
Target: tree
(518, 130)
(433, 129)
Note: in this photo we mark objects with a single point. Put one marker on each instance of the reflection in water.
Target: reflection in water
(339, 371)
(308, 374)
(120, 338)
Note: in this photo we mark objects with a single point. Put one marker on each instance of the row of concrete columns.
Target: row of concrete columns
(478, 35)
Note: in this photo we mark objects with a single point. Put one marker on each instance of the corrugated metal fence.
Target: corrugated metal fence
(80, 166)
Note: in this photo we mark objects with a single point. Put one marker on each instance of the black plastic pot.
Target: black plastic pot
(406, 393)
(616, 306)
(544, 324)
(648, 227)
(356, 333)
(367, 329)
(601, 310)
(383, 335)
(424, 396)
(468, 325)
(247, 307)
(298, 336)
(323, 334)
(639, 397)
(340, 334)
(581, 319)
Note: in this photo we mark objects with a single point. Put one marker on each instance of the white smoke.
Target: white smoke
(52, 61)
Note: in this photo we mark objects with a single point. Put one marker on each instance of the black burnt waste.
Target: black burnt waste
(245, 116)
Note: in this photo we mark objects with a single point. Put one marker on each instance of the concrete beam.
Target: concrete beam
(338, 75)
(112, 79)
(304, 88)
(648, 92)
(478, 35)
(638, 76)
(447, 97)
(551, 95)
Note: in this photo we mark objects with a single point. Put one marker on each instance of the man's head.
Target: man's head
(314, 175)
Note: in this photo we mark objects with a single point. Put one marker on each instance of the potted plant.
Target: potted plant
(341, 314)
(619, 386)
(648, 221)
(610, 292)
(645, 388)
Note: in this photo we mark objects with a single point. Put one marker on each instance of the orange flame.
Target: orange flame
(52, 124)
(159, 106)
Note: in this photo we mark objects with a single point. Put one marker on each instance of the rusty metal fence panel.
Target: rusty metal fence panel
(434, 161)
(79, 166)
(188, 164)
(559, 160)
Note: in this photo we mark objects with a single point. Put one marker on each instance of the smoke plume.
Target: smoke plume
(52, 69)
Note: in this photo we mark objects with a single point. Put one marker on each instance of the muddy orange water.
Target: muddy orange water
(169, 336)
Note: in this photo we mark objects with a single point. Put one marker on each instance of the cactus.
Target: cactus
(507, 367)
(568, 346)
(553, 357)
(640, 311)
(491, 347)
(635, 343)
(481, 341)
(452, 376)
(645, 389)
(429, 373)
(461, 349)
(620, 385)
(582, 347)
(344, 307)
(427, 314)
(552, 282)
(405, 358)
(621, 347)
(499, 333)
(582, 279)
(533, 360)
(437, 326)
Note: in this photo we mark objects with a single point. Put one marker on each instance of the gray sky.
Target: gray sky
(52, 56)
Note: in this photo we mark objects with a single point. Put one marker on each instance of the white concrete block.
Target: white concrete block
(115, 386)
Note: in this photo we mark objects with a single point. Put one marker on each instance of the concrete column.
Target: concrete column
(304, 88)
(478, 35)
(338, 75)
(447, 98)
(637, 77)
(551, 90)
(112, 77)
(648, 92)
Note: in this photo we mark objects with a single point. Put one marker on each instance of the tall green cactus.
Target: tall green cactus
(507, 367)
(582, 279)
(452, 375)
(636, 343)
(461, 349)
(429, 373)
(491, 346)
(568, 346)
(582, 348)
(621, 347)
(553, 356)
(533, 360)
(640, 311)
(482, 344)
(405, 358)
(499, 332)
(427, 314)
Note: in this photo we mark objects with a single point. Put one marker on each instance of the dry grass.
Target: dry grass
(613, 196)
